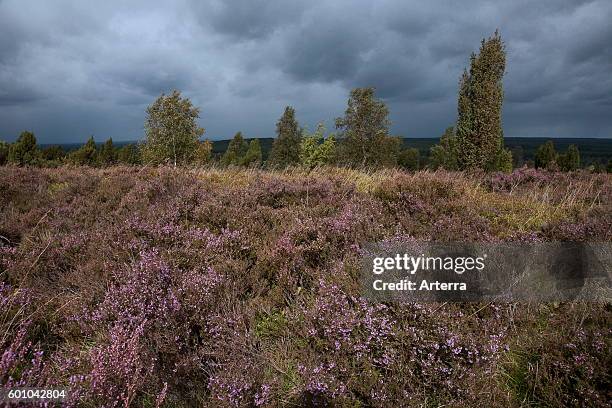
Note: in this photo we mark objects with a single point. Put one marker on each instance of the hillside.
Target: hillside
(239, 288)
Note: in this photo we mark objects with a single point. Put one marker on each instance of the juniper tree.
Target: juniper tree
(86, 155)
(107, 155)
(172, 132)
(546, 155)
(252, 157)
(129, 154)
(54, 154)
(25, 150)
(286, 147)
(479, 122)
(444, 154)
(316, 149)
(365, 131)
(236, 149)
(570, 160)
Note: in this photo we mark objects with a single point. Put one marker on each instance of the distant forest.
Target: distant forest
(523, 148)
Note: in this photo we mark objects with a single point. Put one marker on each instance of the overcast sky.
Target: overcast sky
(69, 69)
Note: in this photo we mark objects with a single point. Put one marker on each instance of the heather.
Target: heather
(138, 286)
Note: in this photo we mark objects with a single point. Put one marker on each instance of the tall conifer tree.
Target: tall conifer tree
(286, 147)
(479, 121)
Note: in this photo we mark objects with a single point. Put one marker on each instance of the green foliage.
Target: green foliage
(171, 130)
(236, 149)
(609, 166)
(479, 130)
(25, 150)
(203, 153)
(315, 149)
(86, 155)
(503, 161)
(546, 155)
(409, 158)
(570, 161)
(270, 325)
(108, 154)
(252, 157)
(444, 155)
(53, 154)
(4, 152)
(286, 147)
(365, 132)
(128, 154)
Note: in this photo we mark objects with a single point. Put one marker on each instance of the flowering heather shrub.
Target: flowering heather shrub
(509, 181)
(164, 287)
(21, 358)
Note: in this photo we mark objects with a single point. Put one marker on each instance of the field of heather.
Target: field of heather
(178, 288)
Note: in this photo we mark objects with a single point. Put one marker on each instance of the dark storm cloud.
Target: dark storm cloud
(69, 69)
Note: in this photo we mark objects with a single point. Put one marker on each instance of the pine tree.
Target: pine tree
(444, 154)
(171, 130)
(546, 155)
(107, 155)
(86, 155)
(235, 151)
(479, 120)
(286, 147)
(252, 157)
(365, 131)
(570, 161)
(25, 150)
(129, 154)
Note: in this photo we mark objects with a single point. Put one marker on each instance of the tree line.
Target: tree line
(361, 138)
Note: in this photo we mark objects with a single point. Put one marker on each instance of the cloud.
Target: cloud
(69, 69)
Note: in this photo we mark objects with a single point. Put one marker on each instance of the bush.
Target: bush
(25, 150)
(409, 159)
(86, 155)
(315, 149)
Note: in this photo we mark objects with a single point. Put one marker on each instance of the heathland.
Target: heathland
(178, 287)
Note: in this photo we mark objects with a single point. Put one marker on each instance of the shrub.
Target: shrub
(86, 155)
(545, 156)
(25, 150)
(445, 155)
(409, 159)
(315, 149)
(570, 161)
